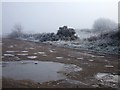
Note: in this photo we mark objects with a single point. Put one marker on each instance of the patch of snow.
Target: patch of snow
(108, 79)
(11, 55)
(77, 69)
(72, 68)
(32, 57)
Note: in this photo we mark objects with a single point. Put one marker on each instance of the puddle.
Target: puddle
(40, 72)
(107, 79)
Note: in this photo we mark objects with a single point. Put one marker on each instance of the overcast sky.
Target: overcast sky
(49, 16)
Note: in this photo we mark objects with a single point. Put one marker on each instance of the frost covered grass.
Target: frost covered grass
(108, 79)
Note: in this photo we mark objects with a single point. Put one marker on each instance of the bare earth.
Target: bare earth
(91, 63)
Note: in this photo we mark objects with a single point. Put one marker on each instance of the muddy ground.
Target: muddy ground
(91, 63)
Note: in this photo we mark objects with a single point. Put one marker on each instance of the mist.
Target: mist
(49, 16)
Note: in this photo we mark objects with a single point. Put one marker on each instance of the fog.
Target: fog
(49, 16)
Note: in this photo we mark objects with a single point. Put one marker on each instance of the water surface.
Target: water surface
(28, 70)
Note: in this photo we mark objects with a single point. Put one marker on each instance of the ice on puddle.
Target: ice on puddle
(91, 60)
(11, 51)
(51, 50)
(32, 57)
(11, 46)
(41, 52)
(23, 54)
(109, 66)
(31, 48)
(80, 58)
(35, 53)
(44, 55)
(24, 51)
(59, 57)
(68, 59)
(9, 55)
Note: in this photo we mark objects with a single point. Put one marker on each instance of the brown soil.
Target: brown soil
(70, 56)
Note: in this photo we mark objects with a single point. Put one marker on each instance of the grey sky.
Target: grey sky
(49, 16)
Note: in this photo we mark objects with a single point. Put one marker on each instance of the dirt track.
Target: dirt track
(90, 62)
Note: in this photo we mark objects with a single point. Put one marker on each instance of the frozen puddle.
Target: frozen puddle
(23, 54)
(107, 79)
(11, 46)
(38, 71)
(31, 57)
(91, 60)
(11, 51)
(109, 66)
(41, 52)
(59, 57)
(24, 51)
(10, 55)
(80, 58)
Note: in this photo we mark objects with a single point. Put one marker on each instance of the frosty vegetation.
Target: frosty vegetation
(64, 33)
(103, 37)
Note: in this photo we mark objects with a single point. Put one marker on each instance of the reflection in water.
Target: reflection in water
(40, 72)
